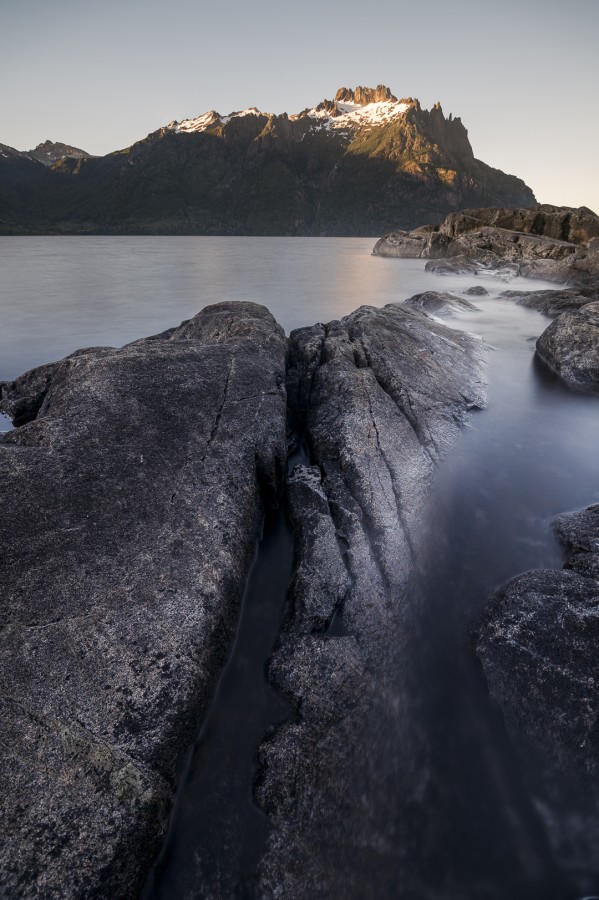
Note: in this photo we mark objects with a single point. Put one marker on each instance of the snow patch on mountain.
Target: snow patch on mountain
(201, 123)
(354, 115)
(330, 115)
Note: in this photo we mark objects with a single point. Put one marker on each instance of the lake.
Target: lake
(58, 294)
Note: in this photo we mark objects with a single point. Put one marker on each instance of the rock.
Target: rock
(537, 643)
(457, 265)
(562, 223)
(364, 95)
(477, 291)
(509, 246)
(421, 242)
(379, 397)
(554, 243)
(580, 268)
(570, 346)
(553, 303)
(439, 304)
(132, 500)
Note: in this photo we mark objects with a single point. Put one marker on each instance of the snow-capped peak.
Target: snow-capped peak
(201, 123)
(353, 115)
(351, 109)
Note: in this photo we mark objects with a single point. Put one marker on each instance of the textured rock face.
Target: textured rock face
(379, 397)
(555, 243)
(538, 644)
(441, 304)
(561, 223)
(570, 346)
(131, 504)
(364, 95)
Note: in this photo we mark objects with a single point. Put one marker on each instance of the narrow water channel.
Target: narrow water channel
(217, 834)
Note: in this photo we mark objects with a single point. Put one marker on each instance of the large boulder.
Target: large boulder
(131, 499)
(538, 646)
(570, 346)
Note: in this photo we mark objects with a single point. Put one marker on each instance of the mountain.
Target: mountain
(49, 152)
(360, 164)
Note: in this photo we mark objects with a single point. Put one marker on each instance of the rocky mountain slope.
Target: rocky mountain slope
(50, 152)
(356, 165)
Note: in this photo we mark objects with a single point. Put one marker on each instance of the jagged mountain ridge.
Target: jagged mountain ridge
(356, 165)
(51, 152)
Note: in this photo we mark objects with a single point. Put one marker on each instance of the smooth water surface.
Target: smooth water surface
(58, 294)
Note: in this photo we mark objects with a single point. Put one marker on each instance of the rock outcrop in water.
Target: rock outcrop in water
(555, 243)
(440, 304)
(131, 501)
(570, 346)
(553, 303)
(538, 646)
(379, 397)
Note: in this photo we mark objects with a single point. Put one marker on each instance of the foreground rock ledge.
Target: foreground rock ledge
(379, 398)
(538, 646)
(131, 503)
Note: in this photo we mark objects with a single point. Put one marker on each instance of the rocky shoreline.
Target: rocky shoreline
(554, 243)
(133, 491)
(536, 640)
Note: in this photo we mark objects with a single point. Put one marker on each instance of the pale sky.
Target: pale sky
(522, 74)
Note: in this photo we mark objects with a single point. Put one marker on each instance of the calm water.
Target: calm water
(530, 455)
(61, 293)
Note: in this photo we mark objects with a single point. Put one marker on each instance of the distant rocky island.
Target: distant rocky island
(360, 164)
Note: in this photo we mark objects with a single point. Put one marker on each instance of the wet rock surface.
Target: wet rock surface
(537, 643)
(132, 500)
(477, 290)
(553, 303)
(440, 304)
(379, 397)
(570, 347)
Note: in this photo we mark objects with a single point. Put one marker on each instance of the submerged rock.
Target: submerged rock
(440, 303)
(570, 346)
(132, 500)
(538, 646)
(379, 396)
(477, 291)
(553, 303)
